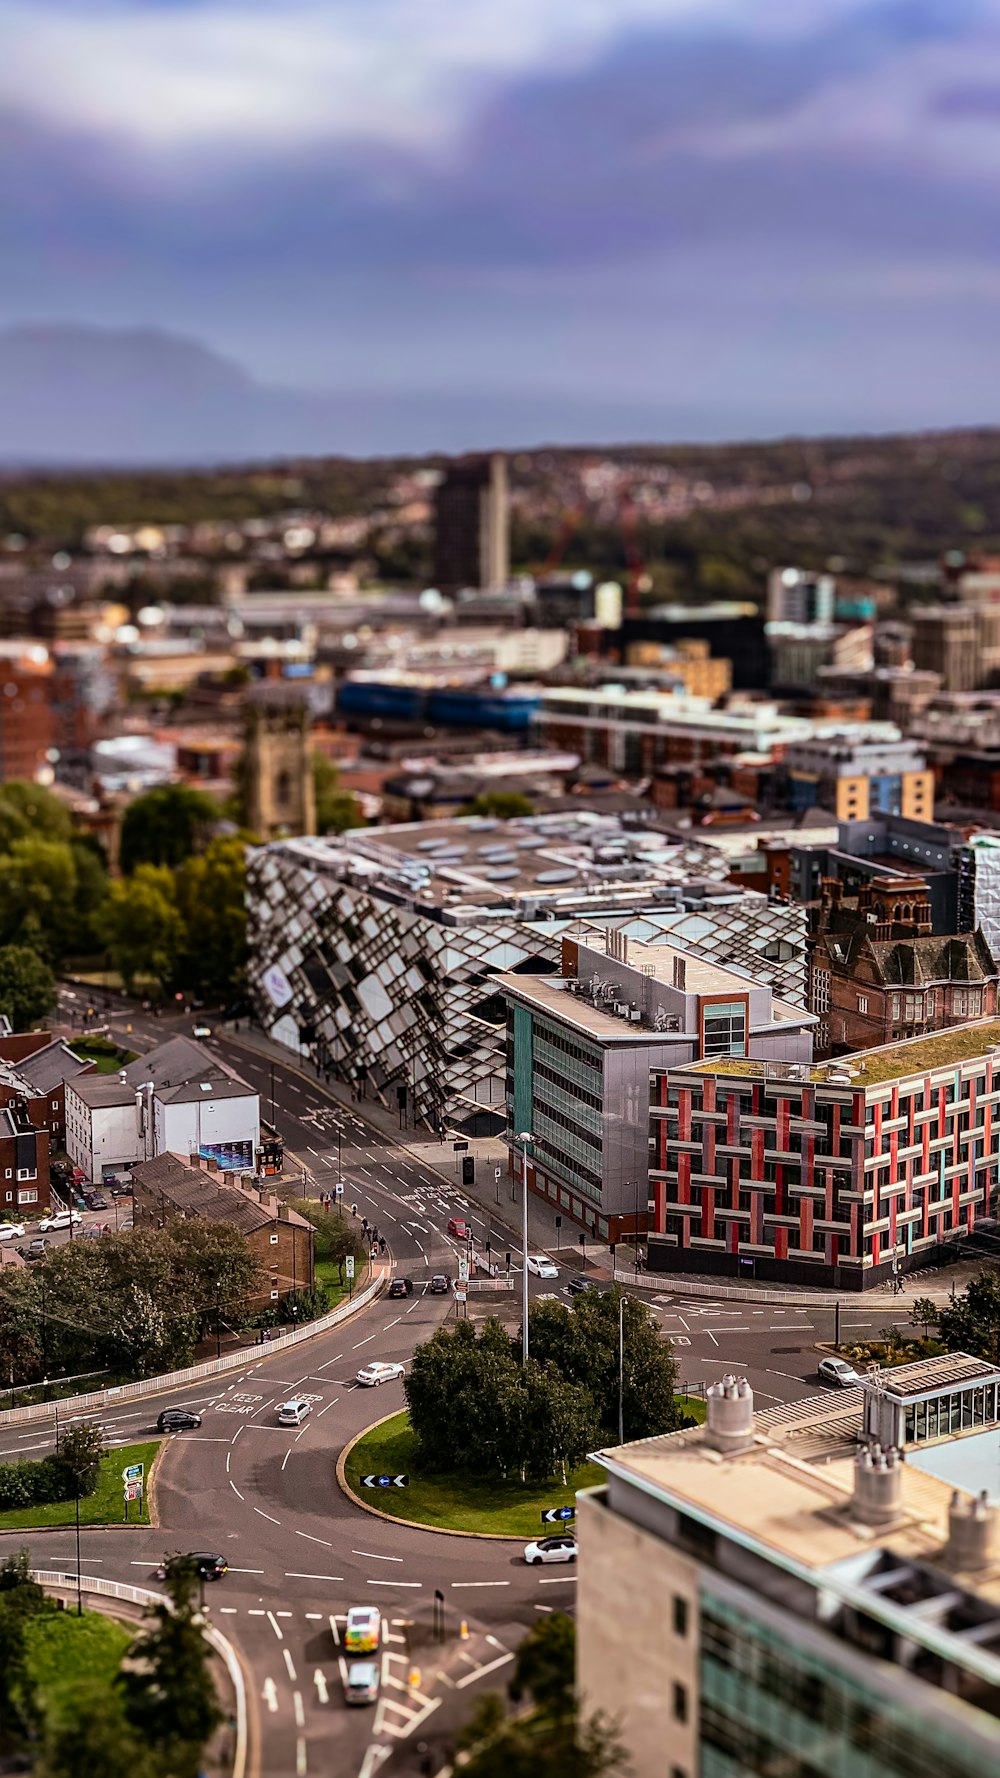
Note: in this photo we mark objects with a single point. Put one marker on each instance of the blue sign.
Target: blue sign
(553, 1515)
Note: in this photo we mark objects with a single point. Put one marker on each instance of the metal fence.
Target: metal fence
(54, 1581)
(195, 1373)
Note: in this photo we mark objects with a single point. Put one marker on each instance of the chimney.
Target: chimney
(729, 1415)
(680, 974)
(972, 1524)
(878, 1485)
(194, 1160)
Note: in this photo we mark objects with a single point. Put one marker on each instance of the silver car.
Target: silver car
(362, 1682)
(838, 1372)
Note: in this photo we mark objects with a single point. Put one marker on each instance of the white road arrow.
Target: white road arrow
(270, 1694)
(319, 1681)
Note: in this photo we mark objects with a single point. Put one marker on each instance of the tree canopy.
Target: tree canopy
(27, 986)
(504, 804)
(164, 826)
(141, 925)
(336, 808)
(970, 1321)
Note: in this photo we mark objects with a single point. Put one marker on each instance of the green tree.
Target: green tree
(27, 987)
(337, 1237)
(164, 826)
(211, 900)
(141, 927)
(504, 805)
(970, 1321)
(336, 808)
(91, 1738)
(38, 897)
(78, 1457)
(529, 1746)
(582, 1343)
(546, 1665)
(214, 1264)
(29, 811)
(557, 1422)
(170, 1699)
(923, 1313)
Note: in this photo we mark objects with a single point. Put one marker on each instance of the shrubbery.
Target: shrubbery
(75, 1463)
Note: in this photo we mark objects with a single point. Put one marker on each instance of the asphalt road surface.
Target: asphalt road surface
(266, 1497)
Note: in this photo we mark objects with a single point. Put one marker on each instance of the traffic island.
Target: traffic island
(106, 1506)
(464, 1505)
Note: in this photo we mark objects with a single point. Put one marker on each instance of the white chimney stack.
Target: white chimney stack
(729, 1415)
(878, 1485)
(972, 1524)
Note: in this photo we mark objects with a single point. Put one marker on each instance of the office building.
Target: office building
(796, 596)
(372, 951)
(733, 630)
(783, 1593)
(27, 719)
(857, 776)
(946, 641)
(471, 525)
(840, 1174)
(581, 1047)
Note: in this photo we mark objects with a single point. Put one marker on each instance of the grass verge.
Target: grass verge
(65, 1651)
(106, 1056)
(454, 1502)
(328, 1276)
(693, 1405)
(104, 1507)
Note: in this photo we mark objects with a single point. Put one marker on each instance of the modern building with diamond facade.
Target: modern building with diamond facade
(373, 951)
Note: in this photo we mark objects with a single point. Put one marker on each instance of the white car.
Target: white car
(551, 1549)
(541, 1265)
(201, 1031)
(60, 1219)
(371, 1375)
(11, 1231)
(838, 1372)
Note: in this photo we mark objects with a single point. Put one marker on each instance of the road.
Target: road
(266, 1496)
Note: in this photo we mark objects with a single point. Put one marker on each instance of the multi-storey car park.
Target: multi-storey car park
(372, 951)
(838, 1174)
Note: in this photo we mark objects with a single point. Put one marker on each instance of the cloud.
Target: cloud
(247, 77)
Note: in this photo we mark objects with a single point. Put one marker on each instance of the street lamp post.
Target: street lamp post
(621, 1369)
(524, 1138)
(79, 1580)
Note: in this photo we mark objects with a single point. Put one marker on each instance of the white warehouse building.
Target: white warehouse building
(177, 1099)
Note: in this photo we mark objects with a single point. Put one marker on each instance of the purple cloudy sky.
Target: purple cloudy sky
(749, 215)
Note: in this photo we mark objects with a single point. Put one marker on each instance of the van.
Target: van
(292, 1413)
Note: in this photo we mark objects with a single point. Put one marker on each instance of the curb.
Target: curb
(391, 1518)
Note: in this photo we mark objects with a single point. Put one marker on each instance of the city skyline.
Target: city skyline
(723, 219)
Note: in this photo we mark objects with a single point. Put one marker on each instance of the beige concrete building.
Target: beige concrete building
(810, 1591)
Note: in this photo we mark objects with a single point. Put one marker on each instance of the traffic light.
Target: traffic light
(468, 1169)
(508, 1262)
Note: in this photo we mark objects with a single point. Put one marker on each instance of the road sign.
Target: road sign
(461, 1147)
(134, 1472)
(461, 1296)
(338, 1189)
(496, 1174)
(555, 1515)
(133, 1491)
(385, 1481)
(463, 1270)
(349, 1265)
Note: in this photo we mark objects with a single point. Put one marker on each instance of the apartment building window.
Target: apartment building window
(967, 1003)
(725, 1030)
(29, 1197)
(862, 1003)
(680, 1615)
(680, 1702)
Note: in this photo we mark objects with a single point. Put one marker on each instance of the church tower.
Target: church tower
(277, 759)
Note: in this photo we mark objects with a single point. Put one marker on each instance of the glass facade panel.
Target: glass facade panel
(773, 1709)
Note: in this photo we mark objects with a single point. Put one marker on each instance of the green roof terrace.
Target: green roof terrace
(867, 1068)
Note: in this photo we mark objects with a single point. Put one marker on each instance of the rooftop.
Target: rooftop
(918, 1055)
(194, 1192)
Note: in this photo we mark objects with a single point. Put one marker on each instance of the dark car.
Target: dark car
(36, 1249)
(576, 1285)
(397, 1288)
(438, 1285)
(95, 1200)
(178, 1420)
(200, 1562)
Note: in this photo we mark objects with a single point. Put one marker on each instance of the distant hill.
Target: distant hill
(103, 396)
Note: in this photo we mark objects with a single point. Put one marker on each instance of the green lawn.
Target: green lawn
(65, 1650)
(104, 1507)
(693, 1405)
(454, 1502)
(107, 1058)
(328, 1275)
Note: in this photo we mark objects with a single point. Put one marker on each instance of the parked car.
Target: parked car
(362, 1682)
(201, 1030)
(438, 1285)
(59, 1219)
(838, 1372)
(551, 1549)
(575, 1285)
(178, 1420)
(458, 1227)
(11, 1231)
(95, 1200)
(293, 1412)
(397, 1288)
(201, 1562)
(371, 1375)
(541, 1265)
(363, 1631)
(36, 1249)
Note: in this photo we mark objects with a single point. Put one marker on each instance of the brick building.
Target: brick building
(43, 1064)
(831, 1175)
(24, 1163)
(26, 709)
(169, 1188)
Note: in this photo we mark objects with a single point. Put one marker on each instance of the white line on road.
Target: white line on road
(329, 1405)
(395, 1583)
(264, 1515)
(235, 1489)
(480, 1672)
(375, 1557)
(480, 1583)
(300, 1715)
(289, 1663)
(325, 1541)
(276, 1627)
(247, 1571)
(561, 1580)
(297, 1574)
(300, 1757)
(288, 1453)
(364, 1342)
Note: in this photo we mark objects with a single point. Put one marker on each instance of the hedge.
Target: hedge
(42, 1483)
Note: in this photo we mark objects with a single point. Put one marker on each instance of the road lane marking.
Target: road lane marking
(364, 1342)
(375, 1557)
(269, 1693)
(264, 1515)
(325, 1541)
(297, 1574)
(289, 1663)
(247, 1571)
(286, 1456)
(395, 1583)
(315, 1616)
(228, 1610)
(276, 1627)
(235, 1489)
(561, 1580)
(283, 1614)
(300, 1757)
(329, 1405)
(480, 1672)
(336, 1632)
(479, 1583)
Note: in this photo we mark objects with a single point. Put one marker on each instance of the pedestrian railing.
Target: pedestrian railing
(195, 1373)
